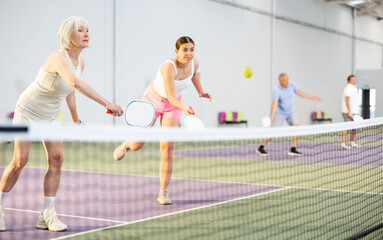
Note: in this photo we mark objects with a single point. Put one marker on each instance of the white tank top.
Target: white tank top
(41, 101)
(179, 85)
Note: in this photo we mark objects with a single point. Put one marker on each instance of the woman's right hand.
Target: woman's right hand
(188, 111)
(115, 109)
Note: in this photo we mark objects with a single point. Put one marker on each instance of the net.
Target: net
(220, 187)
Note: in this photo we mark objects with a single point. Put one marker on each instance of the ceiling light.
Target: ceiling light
(356, 2)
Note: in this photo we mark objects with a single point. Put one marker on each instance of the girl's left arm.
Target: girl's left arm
(197, 83)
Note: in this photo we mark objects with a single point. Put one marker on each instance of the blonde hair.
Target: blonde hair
(66, 29)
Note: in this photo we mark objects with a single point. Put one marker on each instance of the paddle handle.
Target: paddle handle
(192, 110)
(108, 111)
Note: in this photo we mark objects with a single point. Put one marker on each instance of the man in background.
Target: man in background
(282, 109)
(350, 107)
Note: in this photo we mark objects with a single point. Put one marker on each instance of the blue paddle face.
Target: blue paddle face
(139, 114)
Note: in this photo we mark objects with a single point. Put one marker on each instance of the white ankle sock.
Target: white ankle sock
(3, 197)
(48, 202)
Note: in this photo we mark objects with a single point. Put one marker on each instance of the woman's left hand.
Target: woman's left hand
(205, 95)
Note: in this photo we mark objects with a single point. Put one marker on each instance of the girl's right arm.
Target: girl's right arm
(169, 75)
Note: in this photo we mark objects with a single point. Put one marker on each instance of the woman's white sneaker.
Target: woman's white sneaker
(2, 223)
(119, 152)
(163, 198)
(48, 220)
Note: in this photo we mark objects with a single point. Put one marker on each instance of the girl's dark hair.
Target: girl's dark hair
(349, 77)
(183, 40)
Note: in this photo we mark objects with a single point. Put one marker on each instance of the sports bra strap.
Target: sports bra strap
(192, 67)
(79, 59)
(173, 65)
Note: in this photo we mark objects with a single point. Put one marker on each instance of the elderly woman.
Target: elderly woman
(57, 80)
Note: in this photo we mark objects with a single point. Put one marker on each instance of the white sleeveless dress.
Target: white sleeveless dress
(41, 101)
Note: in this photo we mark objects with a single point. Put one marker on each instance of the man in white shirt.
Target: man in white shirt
(350, 107)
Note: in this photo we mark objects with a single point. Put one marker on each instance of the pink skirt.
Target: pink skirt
(162, 105)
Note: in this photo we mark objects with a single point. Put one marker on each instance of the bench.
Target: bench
(320, 117)
(231, 118)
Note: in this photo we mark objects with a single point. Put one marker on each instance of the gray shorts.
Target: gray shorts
(280, 119)
(346, 118)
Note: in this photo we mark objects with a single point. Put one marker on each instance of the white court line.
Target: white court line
(170, 214)
(336, 190)
(66, 215)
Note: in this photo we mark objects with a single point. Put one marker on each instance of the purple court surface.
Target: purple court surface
(312, 153)
(88, 201)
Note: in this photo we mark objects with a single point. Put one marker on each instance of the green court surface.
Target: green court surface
(286, 214)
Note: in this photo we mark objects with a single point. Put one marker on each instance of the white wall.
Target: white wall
(316, 70)
(29, 35)
(312, 42)
(224, 45)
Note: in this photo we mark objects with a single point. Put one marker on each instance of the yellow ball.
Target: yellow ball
(247, 72)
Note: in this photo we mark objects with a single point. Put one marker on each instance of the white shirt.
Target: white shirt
(352, 92)
(179, 85)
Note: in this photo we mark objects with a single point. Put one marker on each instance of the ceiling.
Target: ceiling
(372, 8)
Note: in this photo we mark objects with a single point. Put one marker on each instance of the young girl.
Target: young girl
(173, 77)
